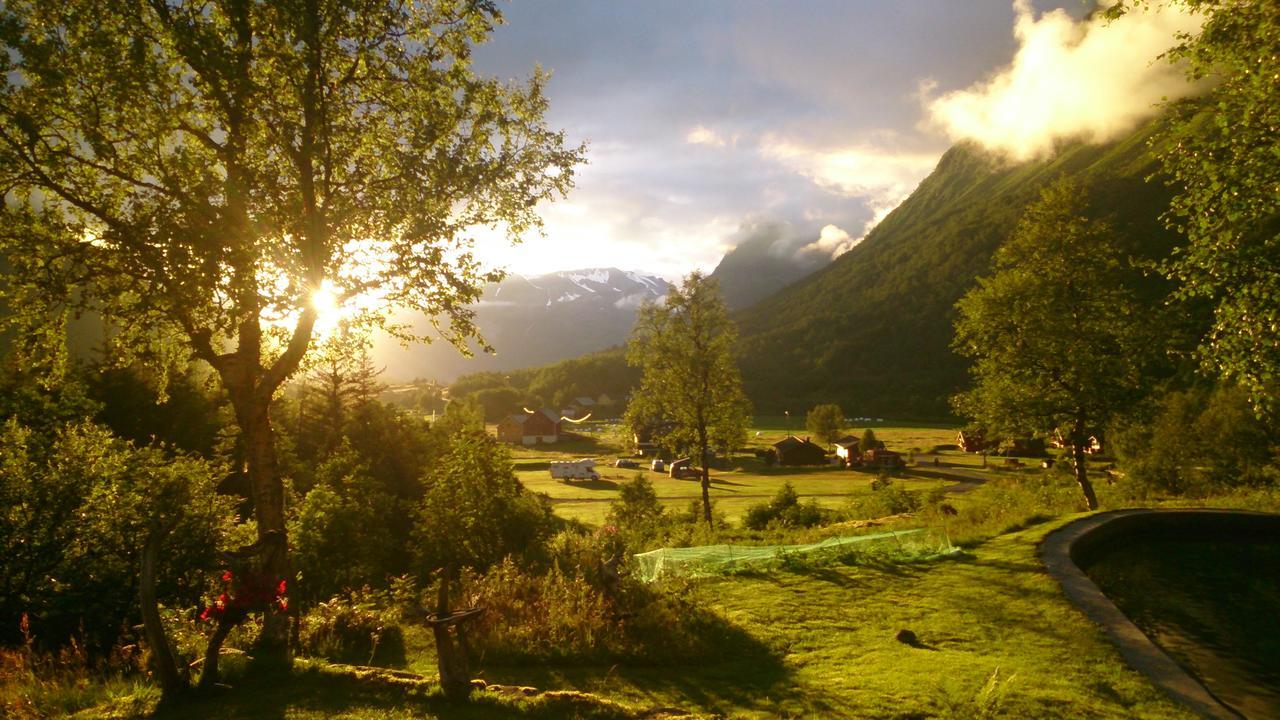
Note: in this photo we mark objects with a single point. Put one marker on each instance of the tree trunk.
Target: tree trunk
(272, 646)
(706, 491)
(163, 663)
(1078, 440)
(451, 658)
(209, 669)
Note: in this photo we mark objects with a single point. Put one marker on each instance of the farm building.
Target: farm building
(847, 448)
(882, 458)
(792, 450)
(972, 440)
(530, 428)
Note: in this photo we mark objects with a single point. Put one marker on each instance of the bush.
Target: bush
(637, 510)
(75, 511)
(353, 630)
(784, 511)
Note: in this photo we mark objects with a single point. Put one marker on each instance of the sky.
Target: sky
(709, 121)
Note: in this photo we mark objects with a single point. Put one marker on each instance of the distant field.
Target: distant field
(733, 491)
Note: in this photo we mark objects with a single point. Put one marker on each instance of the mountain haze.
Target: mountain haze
(536, 320)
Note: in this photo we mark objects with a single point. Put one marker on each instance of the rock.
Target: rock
(906, 637)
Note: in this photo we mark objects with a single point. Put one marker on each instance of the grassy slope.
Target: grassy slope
(829, 647)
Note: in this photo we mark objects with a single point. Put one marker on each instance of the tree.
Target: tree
(207, 176)
(690, 380)
(1220, 153)
(868, 441)
(474, 512)
(1054, 333)
(825, 422)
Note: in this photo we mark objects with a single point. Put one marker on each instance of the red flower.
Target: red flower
(226, 576)
(280, 589)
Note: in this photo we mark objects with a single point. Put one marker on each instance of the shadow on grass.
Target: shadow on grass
(600, 484)
(734, 671)
(319, 690)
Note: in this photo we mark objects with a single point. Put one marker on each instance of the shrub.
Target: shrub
(353, 630)
(785, 511)
(637, 510)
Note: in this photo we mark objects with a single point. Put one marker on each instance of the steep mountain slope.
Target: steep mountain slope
(536, 320)
(872, 331)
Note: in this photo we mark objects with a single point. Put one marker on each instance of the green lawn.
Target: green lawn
(821, 643)
(996, 639)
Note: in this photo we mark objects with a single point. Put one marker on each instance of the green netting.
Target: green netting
(714, 559)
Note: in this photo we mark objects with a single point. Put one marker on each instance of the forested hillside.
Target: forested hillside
(872, 330)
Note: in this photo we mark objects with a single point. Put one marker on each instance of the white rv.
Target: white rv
(575, 470)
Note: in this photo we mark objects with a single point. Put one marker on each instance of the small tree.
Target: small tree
(825, 422)
(474, 513)
(690, 380)
(637, 509)
(1056, 338)
(868, 441)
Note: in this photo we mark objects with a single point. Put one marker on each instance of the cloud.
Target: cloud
(854, 171)
(832, 242)
(702, 135)
(1069, 79)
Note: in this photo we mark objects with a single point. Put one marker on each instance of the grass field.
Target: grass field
(996, 639)
(733, 491)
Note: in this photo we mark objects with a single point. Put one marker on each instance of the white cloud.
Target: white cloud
(832, 242)
(854, 171)
(1069, 79)
(702, 135)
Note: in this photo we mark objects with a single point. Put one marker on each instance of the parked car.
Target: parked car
(624, 463)
(657, 465)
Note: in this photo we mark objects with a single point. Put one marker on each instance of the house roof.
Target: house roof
(791, 442)
(584, 401)
(846, 441)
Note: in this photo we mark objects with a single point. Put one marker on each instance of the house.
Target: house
(847, 448)
(1092, 446)
(530, 428)
(604, 400)
(792, 450)
(881, 458)
(972, 440)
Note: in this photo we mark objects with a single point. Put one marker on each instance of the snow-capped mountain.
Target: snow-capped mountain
(532, 320)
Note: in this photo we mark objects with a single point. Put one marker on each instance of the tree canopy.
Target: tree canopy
(690, 389)
(1056, 336)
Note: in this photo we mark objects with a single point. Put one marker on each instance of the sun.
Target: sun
(330, 312)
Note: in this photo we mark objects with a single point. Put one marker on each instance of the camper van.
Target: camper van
(575, 470)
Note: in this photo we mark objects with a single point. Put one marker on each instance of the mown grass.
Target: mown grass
(998, 639)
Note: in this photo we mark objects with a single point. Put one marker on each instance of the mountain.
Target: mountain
(872, 330)
(754, 269)
(536, 320)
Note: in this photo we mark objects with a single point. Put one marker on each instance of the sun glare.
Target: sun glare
(329, 312)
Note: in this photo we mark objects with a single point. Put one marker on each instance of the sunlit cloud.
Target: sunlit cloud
(854, 171)
(702, 135)
(1069, 79)
(832, 242)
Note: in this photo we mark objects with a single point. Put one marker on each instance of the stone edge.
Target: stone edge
(1058, 551)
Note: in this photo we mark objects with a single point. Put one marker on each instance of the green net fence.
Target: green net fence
(715, 559)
